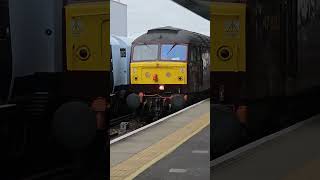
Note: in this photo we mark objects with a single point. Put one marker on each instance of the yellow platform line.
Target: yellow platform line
(132, 167)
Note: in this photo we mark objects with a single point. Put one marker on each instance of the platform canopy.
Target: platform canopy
(200, 7)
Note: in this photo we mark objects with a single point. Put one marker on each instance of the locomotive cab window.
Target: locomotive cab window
(147, 52)
(174, 52)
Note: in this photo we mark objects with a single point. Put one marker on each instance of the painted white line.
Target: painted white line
(244, 149)
(177, 170)
(200, 152)
(154, 123)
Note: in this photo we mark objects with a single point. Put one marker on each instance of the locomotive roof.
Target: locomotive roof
(170, 34)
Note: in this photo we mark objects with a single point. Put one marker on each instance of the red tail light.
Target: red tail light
(141, 96)
(155, 77)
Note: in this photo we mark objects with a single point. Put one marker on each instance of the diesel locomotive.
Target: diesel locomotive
(264, 71)
(169, 67)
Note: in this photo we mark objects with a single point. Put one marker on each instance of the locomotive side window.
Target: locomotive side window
(194, 54)
(199, 55)
(174, 52)
(145, 52)
(205, 57)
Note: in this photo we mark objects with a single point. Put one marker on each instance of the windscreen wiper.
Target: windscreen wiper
(147, 45)
(172, 48)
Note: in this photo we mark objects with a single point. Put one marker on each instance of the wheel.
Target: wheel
(177, 102)
(74, 125)
(226, 132)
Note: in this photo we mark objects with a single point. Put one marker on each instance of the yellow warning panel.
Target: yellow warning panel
(157, 72)
(228, 41)
(87, 36)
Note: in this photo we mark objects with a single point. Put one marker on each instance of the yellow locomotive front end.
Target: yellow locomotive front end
(159, 64)
(87, 55)
(159, 72)
(159, 75)
(87, 36)
(228, 69)
(228, 48)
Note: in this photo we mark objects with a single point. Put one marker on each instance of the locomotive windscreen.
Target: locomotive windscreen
(145, 52)
(174, 52)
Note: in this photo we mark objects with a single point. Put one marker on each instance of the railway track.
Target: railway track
(123, 125)
(118, 120)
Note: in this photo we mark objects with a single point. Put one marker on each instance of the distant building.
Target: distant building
(118, 18)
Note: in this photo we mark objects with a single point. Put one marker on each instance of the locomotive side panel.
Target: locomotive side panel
(266, 48)
(199, 69)
(206, 66)
(281, 81)
(308, 28)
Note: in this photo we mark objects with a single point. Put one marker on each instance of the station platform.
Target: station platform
(190, 161)
(292, 154)
(133, 157)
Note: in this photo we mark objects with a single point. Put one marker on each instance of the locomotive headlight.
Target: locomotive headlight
(225, 53)
(168, 74)
(182, 70)
(83, 53)
(148, 74)
(134, 70)
(161, 87)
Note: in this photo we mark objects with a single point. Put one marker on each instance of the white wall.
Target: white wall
(118, 18)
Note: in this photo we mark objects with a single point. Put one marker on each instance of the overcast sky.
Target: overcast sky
(147, 14)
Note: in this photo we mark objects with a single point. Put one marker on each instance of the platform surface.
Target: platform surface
(291, 156)
(190, 161)
(133, 155)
